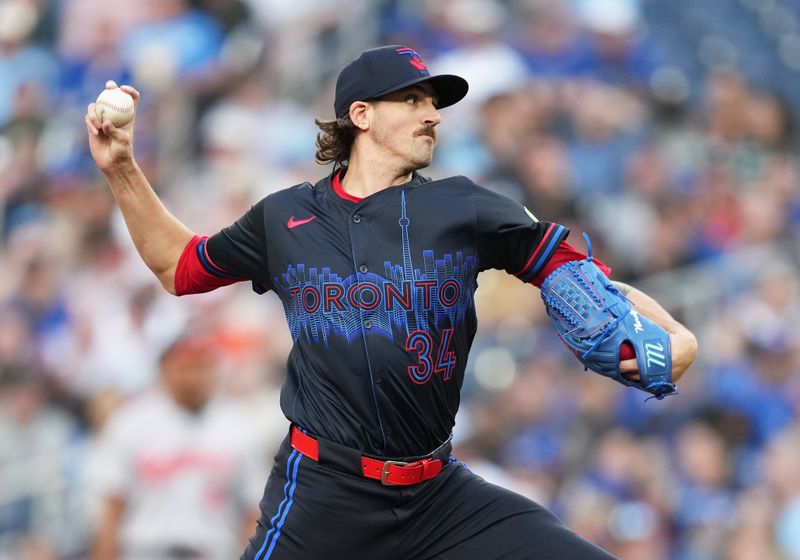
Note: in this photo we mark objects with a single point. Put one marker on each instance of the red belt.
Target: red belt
(390, 473)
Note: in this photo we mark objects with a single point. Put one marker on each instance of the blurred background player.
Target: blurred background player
(177, 468)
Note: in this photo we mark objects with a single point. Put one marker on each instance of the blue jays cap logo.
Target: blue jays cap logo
(415, 60)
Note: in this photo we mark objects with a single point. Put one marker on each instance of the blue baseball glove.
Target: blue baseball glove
(594, 319)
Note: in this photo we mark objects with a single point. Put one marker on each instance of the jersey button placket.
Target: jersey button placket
(359, 237)
(362, 268)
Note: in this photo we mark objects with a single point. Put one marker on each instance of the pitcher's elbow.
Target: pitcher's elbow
(167, 280)
(686, 355)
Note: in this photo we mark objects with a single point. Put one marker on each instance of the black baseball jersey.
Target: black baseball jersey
(378, 294)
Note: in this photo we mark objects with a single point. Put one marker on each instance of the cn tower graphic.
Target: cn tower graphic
(320, 303)
(408, 266)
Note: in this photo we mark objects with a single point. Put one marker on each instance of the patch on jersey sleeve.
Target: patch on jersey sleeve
(529, 213)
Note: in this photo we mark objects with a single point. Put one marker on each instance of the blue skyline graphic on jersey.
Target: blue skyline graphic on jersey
(319, 303)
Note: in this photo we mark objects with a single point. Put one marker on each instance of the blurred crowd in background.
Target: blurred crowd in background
(663, 128)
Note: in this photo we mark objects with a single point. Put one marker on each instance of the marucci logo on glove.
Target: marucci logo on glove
(655, 353)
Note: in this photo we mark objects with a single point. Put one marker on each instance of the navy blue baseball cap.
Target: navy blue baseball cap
(380, 71)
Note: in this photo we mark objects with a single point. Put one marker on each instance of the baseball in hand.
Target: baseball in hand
(626, 351)
(115, 105)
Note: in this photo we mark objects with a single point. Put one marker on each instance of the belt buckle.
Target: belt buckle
(385, 471)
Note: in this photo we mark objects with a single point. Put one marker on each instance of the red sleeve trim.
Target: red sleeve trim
(564, 254)
(206, 261)
(554, 234)
(192, 276)
(535, 251)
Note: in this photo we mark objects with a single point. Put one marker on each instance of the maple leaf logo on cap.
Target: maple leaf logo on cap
(415, 60)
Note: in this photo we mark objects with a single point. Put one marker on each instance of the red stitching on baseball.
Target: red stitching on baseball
(115, 107)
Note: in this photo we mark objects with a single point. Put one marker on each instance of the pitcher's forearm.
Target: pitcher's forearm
(650, 308)
(684, 343)
(159, 236)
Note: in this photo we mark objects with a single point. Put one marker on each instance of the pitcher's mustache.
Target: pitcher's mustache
(427, 131)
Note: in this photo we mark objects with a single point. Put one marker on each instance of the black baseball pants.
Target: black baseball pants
(317, 511)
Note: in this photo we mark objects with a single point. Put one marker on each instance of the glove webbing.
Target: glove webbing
(605, 333)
